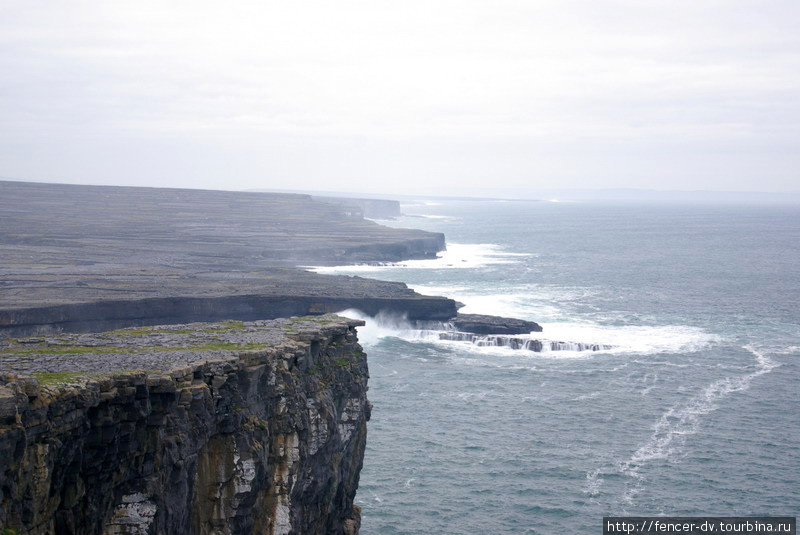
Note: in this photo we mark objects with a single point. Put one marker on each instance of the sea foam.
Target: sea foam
(678, 423)
(559, 340)
(457, 256)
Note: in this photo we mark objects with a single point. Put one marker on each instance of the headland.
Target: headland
(166, 365)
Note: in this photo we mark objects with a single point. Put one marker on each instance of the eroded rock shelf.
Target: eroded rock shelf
(88, 258)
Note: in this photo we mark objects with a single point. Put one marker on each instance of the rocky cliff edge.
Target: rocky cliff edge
(219, 428)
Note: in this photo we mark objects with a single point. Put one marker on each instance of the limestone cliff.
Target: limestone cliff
(228, 428)
(91, 258)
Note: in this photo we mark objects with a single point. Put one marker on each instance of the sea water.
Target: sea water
(694, 411)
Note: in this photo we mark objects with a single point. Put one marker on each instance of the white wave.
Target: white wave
(639, 339)
(590, 395)
(381, 326)
(673, 428)
(507, 305)
(570, 350)
(593, 483)
(531, 302)
(457, 256)
(540, 304)
(788, 350)
(386, 325)
(431, 216)
(428, 289)
(646, 390)
(397, 326)
(662, 363)
(471, 396)
(618, 339)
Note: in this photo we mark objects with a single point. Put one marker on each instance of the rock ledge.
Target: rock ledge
(229, 427)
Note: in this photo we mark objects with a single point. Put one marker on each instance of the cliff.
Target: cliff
(78, 258)
(81, 305)
(371, 208)
(483, 324)
(185, 229)
(228, 428)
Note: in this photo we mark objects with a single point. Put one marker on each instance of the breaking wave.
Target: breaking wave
(557, 340)
(545, 306)
(457, 256)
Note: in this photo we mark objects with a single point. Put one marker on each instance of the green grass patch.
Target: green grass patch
(66, 350)
(113, 350)
(144, 331)
(229, 346)
(46, 378)
(141, 331)
(225, 326)
(338, 363)
(213, 328)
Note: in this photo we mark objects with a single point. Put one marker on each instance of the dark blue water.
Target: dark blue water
(695, 412)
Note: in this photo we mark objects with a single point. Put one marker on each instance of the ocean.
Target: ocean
(695, 409)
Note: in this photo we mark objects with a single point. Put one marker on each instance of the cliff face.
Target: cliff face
(236, 428)
(83, 258)
(371, 208)
(109, 314)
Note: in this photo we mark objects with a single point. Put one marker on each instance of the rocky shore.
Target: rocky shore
(263, 294)
(483, 324)
(95, 258)
(142, 423)
(82, 258)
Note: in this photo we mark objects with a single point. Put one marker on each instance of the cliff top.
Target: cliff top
(78, 357)
(68, 285)
(62, 244)
(199, 428)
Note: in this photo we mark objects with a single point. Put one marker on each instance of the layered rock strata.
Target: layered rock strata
(80, 258)
(483, 324)
(228, 428)
(479, 324)
(194, 230)
(294, 300)
(371, 208)
(520, 342)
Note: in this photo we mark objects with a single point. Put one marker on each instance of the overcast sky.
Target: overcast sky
(405, 96)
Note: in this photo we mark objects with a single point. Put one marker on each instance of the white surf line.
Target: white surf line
(541, 305)
(679, 422)
(457, 256)
(672, 429)
(582, 344)
(392, 325)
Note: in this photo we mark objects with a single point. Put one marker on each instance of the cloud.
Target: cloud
(556, 78)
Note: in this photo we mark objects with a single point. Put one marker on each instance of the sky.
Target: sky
(412, 96)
